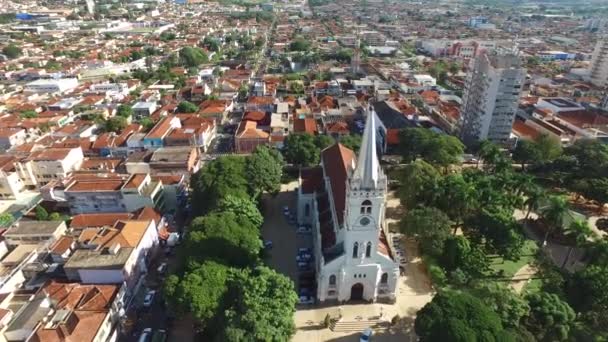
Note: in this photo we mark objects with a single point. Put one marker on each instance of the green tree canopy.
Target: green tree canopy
(243, 208)
(497, 231)
(6, 219)
(550, 318)
(526, 152)
(187, 107)
(115, 124)
(199, 292)
(586, 289)
(264, 169)
(458, 317)
(12, 51)
(224, 236)
(124, 111)
(192, 57)
(300, 149)
(509, 306)
(299, 44)
(41, 213)
(261, 307)
(430, 226)
(351, 141)
(417, 183)
(219, 178)
(438, 149)
(28, 114)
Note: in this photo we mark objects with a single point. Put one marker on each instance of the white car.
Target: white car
(366, 335)
(306, 300)
(149, 298)
(303, 230)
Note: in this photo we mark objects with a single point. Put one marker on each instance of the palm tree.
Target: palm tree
(554, 214)
(580, 231)
(534, 195)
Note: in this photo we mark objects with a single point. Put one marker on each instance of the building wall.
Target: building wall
(93, 276)
(10, 185)
(95, 202)
(599, 63)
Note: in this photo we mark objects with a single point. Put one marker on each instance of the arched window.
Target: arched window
(307, 209)
(368, 250)
(332, 280)
(384, 278)
(366, 207)
(356, 250)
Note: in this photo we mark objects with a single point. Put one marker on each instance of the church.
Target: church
(344, 201)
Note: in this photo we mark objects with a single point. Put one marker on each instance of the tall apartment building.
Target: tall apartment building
(491, 94)
(599, 63)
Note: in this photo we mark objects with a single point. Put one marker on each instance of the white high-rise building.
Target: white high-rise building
(599, 63)
(491, 95)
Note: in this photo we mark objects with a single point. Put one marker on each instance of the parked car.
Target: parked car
(303, 230)
(149, 298)
(159, 336)
(307, 300)
(162, 268)
(145, 335)
(304, 250)
(366, 335)
(267, 244)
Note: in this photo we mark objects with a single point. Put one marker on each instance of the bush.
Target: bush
(327, 321)
(395, 320)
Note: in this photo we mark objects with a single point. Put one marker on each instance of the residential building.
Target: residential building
(113, 255)
(55, 163)
(60, 85)
(144, 109)
(11, 137)
(599, 63)
(34, 232)
(345, 200)
(10, 182)
(249, 136)
(491, 95)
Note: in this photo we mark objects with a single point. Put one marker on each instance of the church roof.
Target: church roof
(368, 167)
(337, 163)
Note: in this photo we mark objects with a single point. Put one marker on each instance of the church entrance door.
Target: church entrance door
(356, 292)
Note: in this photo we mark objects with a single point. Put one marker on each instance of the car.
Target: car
(267, 244)
(303, 230)
(306, 300)
(149, 298)
(145, 334)
(304, 250)
(159, 336)
(162, 268)
(304, 258)
(366, 335)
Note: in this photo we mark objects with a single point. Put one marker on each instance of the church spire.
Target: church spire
(367, 173)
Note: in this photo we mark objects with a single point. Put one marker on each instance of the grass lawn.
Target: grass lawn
(533, 286)
(509, 268)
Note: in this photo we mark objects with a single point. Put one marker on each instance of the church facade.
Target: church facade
(344, 200)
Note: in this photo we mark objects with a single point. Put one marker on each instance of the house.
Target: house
(179, 160)
(113, 255)
(34, 232)
(11, 184)
(260, 104)
(144, 109)
(155, 138)
(55, 163)
(215, 109)
(248, 137)
(116, 194)
(11, 137)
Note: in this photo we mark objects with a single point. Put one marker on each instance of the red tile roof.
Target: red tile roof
(337, 164)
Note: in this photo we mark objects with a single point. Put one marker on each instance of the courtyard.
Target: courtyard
(414, 292)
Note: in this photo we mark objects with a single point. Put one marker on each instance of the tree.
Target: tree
(6, 219)
(459, 253)
(413, 142)
(458, 317)
(430, 226)
(264, 169)
(219, 178)
(444, 150)
(224, 236)
(497, 231)
(199, 292)
(11, 51)
(124, 111)
(534, 196)
(579, 231)
(191, 57)
(494, 159)
(243, 208)
(55, 216)
(509, 306)
(115, 124)
(147, 123)
(296, 87)
(299, 44)
(262, 305)
(351, 141)
(554, 213)
(586, 290)
(323, 141)
(549, 148)
(417, 184)
(166, 36)
(186, 107)
(300, 149)
(41, 213)
(526, 152)
(550, 318)
(28, 114)
(457, 197)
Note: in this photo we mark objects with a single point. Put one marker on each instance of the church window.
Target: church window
(332, 280)
(307, 210)
(356, 250)
(384, 278)
(368, 250)
(366, 207)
